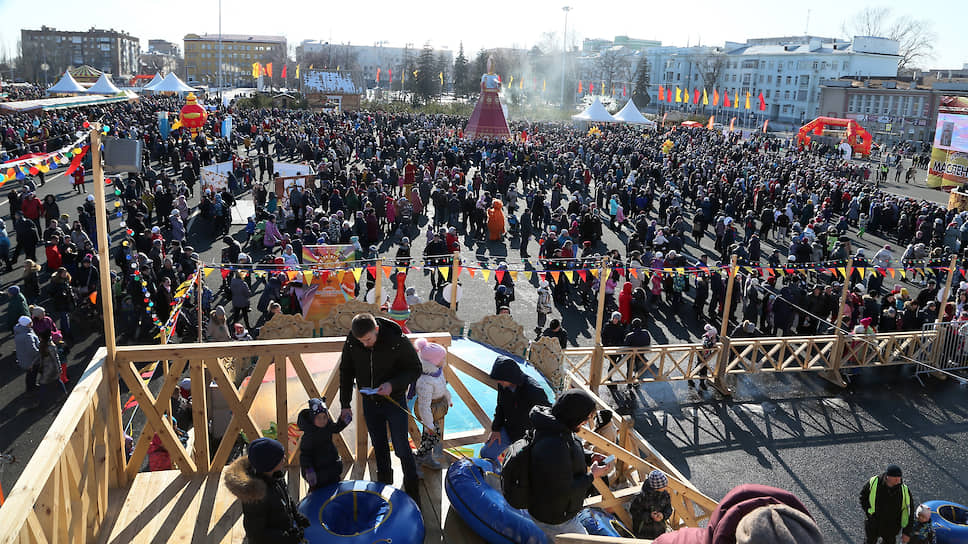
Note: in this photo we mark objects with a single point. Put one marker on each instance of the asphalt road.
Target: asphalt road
(796, 432)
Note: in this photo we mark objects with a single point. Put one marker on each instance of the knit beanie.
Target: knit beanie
(573, 407)
(265, 454)
(777, 524)
(431, 352)
(657, 479)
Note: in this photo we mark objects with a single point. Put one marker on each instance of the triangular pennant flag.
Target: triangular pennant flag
(594, 271)
(528, 275)
(499, 274)
(904, 273)
(570, 275)
(471, 271)
(307, 278)
(514, 274)
(583, 274)
(445, 272)
(862, 271)
(842, 271)
(387, 270)
(634, 272)
(371, 270)
(485, 273)
(357, 273)
(891, 271)
(555, 274)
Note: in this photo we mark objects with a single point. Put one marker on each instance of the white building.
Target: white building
(787, 70)
(367, 58)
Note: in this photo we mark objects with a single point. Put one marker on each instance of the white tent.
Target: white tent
(631, 114)
(66, 85)
(154, 81)
(104, 85)
(595, 113)
(171, 84)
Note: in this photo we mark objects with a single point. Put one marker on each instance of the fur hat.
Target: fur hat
(430, 352)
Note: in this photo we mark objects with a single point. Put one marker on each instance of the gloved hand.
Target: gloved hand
(310, 476)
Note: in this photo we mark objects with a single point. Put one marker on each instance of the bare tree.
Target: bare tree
(614, 65)
(711, 67)
(916, 36)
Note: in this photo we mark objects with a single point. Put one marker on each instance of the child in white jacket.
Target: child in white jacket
(433, 400)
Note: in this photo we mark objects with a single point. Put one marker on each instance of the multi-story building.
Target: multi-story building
(366, 59)
(239, 53)
(787, 70)
(111, 51)
(164, 47)
(595, 45)
(893, 110)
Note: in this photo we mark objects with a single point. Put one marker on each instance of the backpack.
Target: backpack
(516, 472)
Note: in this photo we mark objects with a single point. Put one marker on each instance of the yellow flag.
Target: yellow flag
(415, 72)
(603, 88)
(357, 272)
(705, 97)
(297, 71)
(544, 85)
(514, 274)
(337, 67)
(678, 94)
(307, 278)
(485, 273)
(747, 100)
(528, 275)
(570, 275)
(445, 272)
(256, 70)
(510, 81)
(441, 75)
(736, 99)
(521, 84)
(685, 95)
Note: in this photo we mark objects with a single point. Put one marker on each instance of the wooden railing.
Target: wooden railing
(827, 355)
(62, 494)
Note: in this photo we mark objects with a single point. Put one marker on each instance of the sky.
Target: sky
(492, 23)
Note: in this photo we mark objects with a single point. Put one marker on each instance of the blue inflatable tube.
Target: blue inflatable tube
(484, 508)
(361, 512)
(599, 522)
(950, 521)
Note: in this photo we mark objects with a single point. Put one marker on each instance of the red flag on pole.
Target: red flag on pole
(390, 74)
(726, 100)
(377, 75)
(591, 88)
(762, 103)
(623, 90)
(284, 71)
(668, 95)
(661, 94)
(695, 96)
(580, 87)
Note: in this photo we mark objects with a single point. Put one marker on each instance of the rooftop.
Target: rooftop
(235, 38)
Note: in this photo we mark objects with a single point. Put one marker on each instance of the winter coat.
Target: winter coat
(271, 293)
(544, 300)
(740, 501)
(316, 448)
(613, 334)
(27, 345)
(559, 473)
(50, 366)
(431, 385)
(513, 406)
(16, 307)
(240, 293)
(268, 512)
(392, 359)
(647, 501)
(887, 508)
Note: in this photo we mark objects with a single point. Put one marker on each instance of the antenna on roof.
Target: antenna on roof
(806, 29)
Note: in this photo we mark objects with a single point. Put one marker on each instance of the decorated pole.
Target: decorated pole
(116, 453)
(837, 355)
(947, 288)
(598, 356)
(453, 281)
(723, 359)
(378, 282)
(729, 296)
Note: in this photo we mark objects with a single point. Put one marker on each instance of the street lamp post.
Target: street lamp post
(220, 51)
(564, 53)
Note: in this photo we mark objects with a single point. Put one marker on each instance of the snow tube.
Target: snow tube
(599, 522)
(483, 507)
(358, 512)
(950, 521)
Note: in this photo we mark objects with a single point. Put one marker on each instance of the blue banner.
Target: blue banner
(163, 127)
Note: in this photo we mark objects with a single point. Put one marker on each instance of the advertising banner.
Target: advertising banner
(949, 154)
(331, 287)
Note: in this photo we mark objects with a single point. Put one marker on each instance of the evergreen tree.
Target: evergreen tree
(641, 92)
(461, 73)
(427, 83)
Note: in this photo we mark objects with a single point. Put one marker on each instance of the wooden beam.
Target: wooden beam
(235, 425)
(208, 350)
(200, 402)
(598, 355)
(304, 376)
(107, 309)
(471, 370)
(729, 296)
(282, 402)
(378, 285)
(133, 465)
(467, 397)
(200, 273)
(610, 503)
(362, 440)
(454, 272)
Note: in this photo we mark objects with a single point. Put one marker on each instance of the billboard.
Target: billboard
(328, 288)
(948, 167)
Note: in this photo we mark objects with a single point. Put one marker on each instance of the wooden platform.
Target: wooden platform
(162, 507)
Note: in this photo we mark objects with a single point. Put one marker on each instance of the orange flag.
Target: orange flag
(93, 297)
(715, 97)
(711, 119)
(269, 69)
(747, 100)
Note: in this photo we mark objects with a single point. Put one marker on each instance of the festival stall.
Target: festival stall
(66, 85)
(171, 84)
(631, 114)
(150, 86)
(855, 135)
(595, 113)
(105, 86)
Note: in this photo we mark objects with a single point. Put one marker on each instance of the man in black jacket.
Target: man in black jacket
(517, 394)
(382, 362)
(560, 474)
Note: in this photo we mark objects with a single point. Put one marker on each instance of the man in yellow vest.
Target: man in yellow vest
(887, 505)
